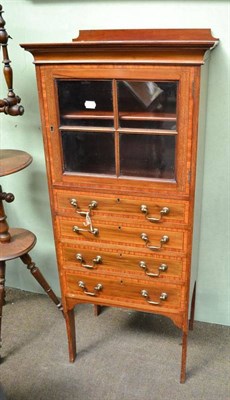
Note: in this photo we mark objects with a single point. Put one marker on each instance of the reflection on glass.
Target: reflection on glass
(85, 102)
(147, 156)
(147, 104)
(148, 124)
(145, 92)
(88, 152)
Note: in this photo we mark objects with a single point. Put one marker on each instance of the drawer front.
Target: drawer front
(102, 289)
(140, 208)
(155, 240)
(141, 265)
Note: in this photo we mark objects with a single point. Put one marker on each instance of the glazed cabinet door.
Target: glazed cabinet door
(117, 126)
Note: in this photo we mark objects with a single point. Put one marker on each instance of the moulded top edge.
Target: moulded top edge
(71, 46)
(128, 39)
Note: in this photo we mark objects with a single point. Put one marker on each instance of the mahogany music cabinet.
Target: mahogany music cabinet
(120, 116)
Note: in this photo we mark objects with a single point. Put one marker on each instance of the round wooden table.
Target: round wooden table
(12, 161)
(17, 242)
(21, 242)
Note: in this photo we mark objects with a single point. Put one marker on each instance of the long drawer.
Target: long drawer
(120, 261)
(102, 289)
(157, 239)
(154, 210)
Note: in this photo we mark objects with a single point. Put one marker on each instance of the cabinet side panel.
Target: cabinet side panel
(44, 115)
(43, 108)
(199, 174)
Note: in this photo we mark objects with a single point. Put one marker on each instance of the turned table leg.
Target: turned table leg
(2, 293)
(26, 259)
(4, 227)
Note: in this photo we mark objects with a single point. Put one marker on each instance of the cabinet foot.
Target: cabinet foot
(183, 358)
(71, 333)
(192, 312)
(97, 310)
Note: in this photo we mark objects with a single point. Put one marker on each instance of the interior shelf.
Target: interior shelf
(139, 116)
(89, 115)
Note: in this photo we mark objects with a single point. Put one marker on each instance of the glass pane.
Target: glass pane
(147, 124)
(85, 103)
(147, 156)
(88, 152)
(147, 104)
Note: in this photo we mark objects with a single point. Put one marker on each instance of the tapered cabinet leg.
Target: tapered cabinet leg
(71, 333)
(26, 259)
(2, 294)
(184, 357)
(97, 310)
(192, 312)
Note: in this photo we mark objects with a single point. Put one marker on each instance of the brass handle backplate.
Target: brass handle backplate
(163, 240)
(162, 268)
(145, 294)
(97, 288)
(96, 260)
(163, 211)
(87, 214)
(91, 206)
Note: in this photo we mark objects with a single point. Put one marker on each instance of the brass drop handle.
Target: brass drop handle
(161, 268)
(163, 240)
(96, 260)
(87, 215)
(163, 211)
(92, 230)
(145, 294)
(97, 288)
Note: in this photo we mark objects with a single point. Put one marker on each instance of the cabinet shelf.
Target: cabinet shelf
(89, 115)
(147, 116)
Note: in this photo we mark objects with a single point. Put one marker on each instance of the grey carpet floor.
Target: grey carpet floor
(122, 355)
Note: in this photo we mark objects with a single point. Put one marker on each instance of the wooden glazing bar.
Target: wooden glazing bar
(116, 125)
(148, 131)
